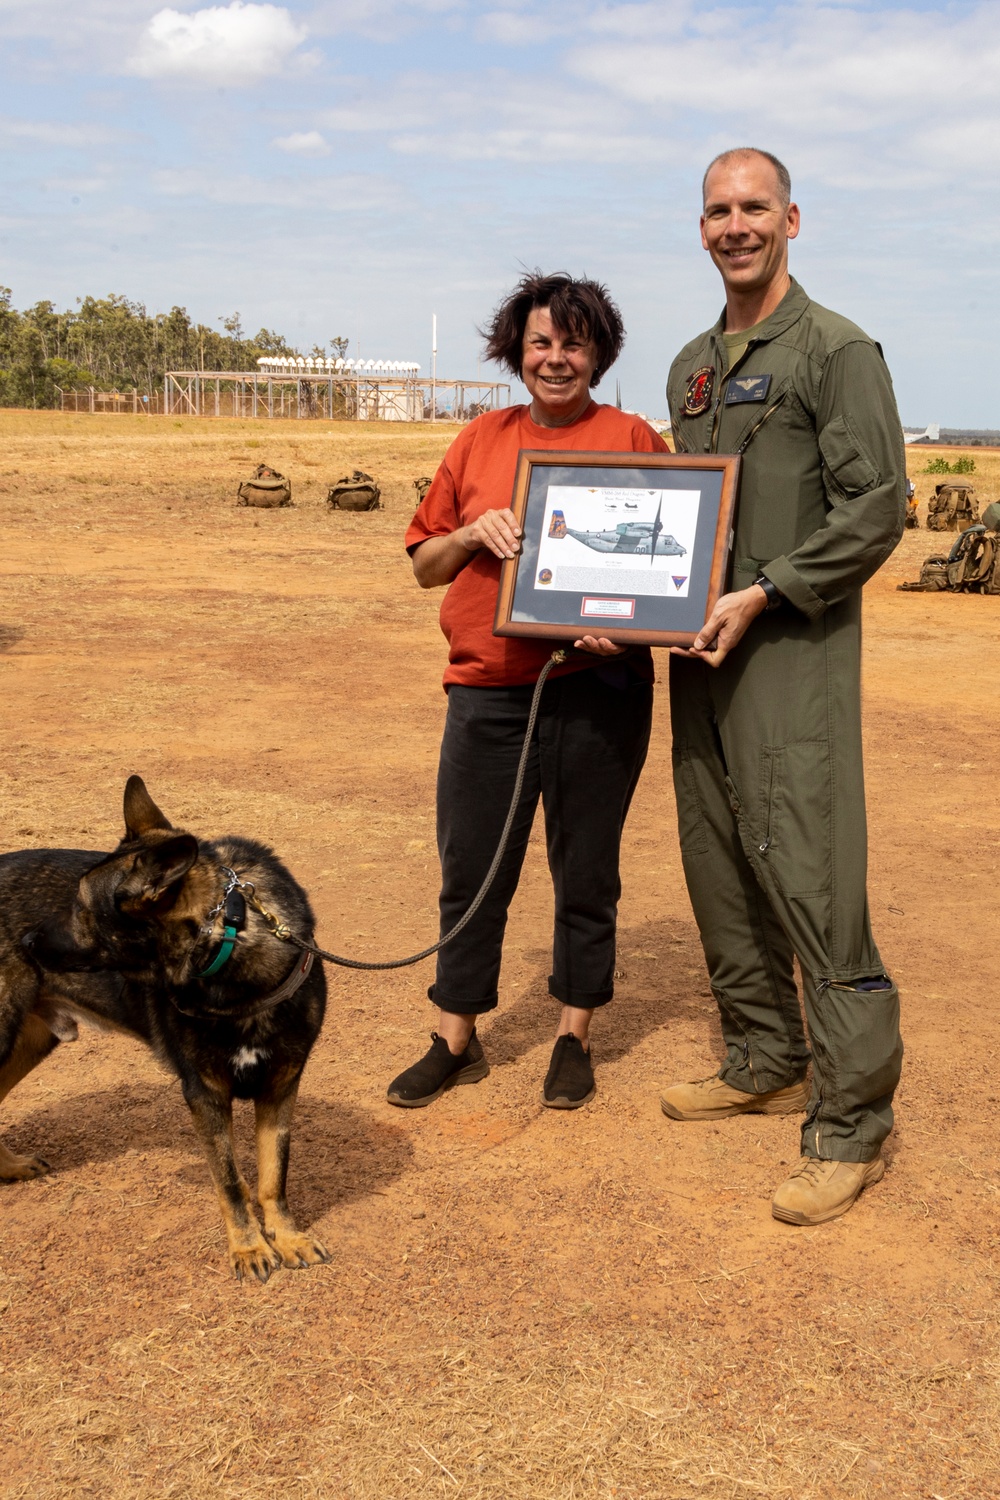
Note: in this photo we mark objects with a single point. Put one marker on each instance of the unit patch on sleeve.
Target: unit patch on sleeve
(747, 388)
(698, 395)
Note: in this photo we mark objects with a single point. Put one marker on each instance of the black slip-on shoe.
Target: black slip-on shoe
(570, 1079)
(437, 1070)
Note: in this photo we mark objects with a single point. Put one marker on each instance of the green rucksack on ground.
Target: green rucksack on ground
(971, 567)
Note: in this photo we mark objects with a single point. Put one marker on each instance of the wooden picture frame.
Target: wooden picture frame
(647, 559)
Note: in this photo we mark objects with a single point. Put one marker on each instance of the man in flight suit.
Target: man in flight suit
(766, 705)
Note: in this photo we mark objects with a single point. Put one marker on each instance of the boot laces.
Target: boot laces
(811, 1168)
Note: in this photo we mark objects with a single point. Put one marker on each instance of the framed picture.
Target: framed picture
(631, 546)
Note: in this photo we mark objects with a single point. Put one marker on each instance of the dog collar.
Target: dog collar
(234, 915)
(224, 954)
(246, 1012)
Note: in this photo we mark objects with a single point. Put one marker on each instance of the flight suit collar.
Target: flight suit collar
(788, 311)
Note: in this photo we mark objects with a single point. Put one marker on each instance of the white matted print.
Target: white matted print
(617, 540)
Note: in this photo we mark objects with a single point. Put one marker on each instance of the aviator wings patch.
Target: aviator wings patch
(747, 388)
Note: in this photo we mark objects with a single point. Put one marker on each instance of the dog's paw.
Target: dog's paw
(254, 1260)
(298, 1250)
(21, 1168)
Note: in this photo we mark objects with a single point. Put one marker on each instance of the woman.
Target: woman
(560, 337)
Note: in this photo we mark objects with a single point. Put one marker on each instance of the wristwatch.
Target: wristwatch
(775, 599)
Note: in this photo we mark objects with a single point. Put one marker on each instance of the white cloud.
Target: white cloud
(56, 133)
(532, 146)
(513, 30)
(664, 17)
(351, 193)
(840, 83)
(380, 19)
(235, 43)
(497, 116)
(302, 143)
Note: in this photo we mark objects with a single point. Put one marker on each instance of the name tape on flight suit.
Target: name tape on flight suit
(747, 388)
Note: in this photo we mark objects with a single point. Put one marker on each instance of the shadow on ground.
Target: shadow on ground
(339, 1153)
(664, 983)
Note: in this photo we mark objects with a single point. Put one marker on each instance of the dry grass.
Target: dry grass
(519, 1305)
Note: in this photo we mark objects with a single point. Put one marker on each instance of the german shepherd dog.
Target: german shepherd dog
(157, 940)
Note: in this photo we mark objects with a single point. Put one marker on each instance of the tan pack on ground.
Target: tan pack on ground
(266, 490)
(971, 567)
(933, 577)
(357, 491)
(422, 485)
(952, 507)
(974, 562)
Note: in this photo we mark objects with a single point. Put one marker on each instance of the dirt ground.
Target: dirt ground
(521, 1303)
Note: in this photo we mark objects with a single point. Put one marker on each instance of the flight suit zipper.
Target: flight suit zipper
(720, 402)
(747, 1058)
(723, 381)
(767, 796)
(716, 418)
(821, 985)
(744, 445)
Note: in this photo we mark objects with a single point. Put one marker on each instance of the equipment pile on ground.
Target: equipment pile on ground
(422, 485)
(356, 491)
(952, 507)
(971, 567)
(266, 490)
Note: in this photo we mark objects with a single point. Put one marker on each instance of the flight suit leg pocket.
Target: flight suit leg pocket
(749, 838)
(691, 823)
(796, 806)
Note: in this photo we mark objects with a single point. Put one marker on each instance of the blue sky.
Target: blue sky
(337, 168)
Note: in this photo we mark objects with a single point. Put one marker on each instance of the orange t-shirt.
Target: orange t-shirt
(476, 475)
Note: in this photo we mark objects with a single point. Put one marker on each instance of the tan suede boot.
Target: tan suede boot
(820, 1190)
(711, 1099)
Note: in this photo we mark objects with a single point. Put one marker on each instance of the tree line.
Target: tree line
(114, 344)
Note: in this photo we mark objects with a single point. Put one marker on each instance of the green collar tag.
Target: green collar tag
(224, 954)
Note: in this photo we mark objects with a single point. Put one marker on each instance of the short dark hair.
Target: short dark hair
(581, 307)
(780, 170)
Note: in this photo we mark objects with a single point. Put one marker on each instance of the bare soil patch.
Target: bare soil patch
(521, 1303)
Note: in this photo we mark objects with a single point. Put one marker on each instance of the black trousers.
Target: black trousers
(589, 746)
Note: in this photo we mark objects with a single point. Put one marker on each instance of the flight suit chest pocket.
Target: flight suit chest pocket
(847, 459)
(751, 416)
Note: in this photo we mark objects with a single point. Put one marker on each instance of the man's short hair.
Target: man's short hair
(581, 307)
(738, 152)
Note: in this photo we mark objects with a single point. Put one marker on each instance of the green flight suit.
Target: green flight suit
(767, 747)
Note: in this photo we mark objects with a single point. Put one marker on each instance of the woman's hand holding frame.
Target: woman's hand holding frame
(632, 548)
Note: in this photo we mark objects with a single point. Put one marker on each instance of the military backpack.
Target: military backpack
(356, 491)
(971, 567)
(952, 507)
(266, 490)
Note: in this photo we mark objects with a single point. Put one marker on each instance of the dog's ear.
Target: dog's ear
(141, 812)
(153, 883)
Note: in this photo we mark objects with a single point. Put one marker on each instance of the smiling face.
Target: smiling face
(746, 226)
(557, 368)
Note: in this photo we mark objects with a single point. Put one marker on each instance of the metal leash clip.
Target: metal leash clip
(279, 929)
(232, 912)
(232, 881)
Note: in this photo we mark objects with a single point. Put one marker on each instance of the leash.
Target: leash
(282, 931)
